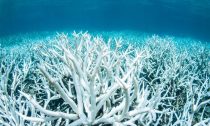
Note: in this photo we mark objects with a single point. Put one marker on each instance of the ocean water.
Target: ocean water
(180, 18)
(159, 76)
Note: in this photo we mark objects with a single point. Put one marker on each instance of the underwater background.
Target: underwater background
(104, 62)
(181, 18)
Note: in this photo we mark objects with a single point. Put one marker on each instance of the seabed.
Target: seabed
(103, 78)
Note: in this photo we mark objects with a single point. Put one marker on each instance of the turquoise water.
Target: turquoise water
(181, 18)
(104, 62)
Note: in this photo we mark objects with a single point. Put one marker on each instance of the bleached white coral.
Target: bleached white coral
(86, 81)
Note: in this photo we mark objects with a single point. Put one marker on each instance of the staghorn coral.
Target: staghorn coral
(87, 81)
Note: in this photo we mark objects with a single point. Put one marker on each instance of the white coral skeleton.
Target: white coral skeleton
(87, 81)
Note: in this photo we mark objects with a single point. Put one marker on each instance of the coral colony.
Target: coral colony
(91, 81)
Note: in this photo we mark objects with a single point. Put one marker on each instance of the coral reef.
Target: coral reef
(90, 81)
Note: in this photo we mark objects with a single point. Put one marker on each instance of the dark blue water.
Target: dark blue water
(190, 18)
